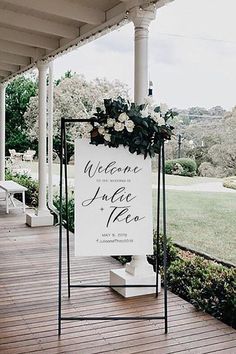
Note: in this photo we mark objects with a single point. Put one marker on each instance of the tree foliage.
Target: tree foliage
(74, 97)
(18, 94)
(210, 141)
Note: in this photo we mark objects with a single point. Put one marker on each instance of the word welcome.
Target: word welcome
(110, 169)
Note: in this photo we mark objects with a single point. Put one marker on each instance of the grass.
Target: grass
(203, 221)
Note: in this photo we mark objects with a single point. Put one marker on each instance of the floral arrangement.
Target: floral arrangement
(142, 128)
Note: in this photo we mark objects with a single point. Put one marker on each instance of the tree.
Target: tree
(74, 97)
(18, 94)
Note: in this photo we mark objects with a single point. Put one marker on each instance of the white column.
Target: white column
(43, 216)
(138, 271)
(141, 19)
(42, 151)
(50, 136)
(2, 131)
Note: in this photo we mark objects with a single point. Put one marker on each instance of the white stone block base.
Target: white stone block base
(34, 220)
(121, 277)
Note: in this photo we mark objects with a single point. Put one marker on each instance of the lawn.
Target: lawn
(203, 221)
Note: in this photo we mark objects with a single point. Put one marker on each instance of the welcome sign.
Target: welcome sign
(113, 201)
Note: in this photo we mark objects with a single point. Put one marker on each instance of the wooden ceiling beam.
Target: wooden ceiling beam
(64, 8)
(9, 67)
(32, 23)
(14, 59)
(26, 38)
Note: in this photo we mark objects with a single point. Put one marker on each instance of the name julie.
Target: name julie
(111, 168)
(117, 213)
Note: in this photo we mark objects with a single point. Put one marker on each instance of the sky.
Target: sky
(192, 55)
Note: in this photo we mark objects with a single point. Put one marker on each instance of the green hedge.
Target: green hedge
(208, 286)
(181, 167)
(31, 195)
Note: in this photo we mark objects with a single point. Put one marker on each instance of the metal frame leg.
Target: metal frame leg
(23, 201)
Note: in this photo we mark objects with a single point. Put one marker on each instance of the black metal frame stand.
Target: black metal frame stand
(64, 223)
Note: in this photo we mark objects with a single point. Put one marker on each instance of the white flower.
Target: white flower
(164, 108)
(119, 126)
(160, 121)
(101, 130)
(123, 117)
(110, 122)
(145, 112)
(107, 137)
(129, 124)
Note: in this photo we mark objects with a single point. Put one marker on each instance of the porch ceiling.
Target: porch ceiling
(32, 30)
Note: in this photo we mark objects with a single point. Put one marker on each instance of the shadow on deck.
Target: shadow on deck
(28, 305)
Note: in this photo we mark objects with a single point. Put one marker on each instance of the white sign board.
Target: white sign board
(113, 201)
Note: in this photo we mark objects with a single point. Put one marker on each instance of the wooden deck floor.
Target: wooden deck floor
(28, 305)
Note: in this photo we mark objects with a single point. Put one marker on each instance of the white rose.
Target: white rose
(164, 108)
(119, 126)
(160, 120)
(145, 112)
(107, 137)
(129, 124)
(101, 130)
(123, 117)
(110, 122)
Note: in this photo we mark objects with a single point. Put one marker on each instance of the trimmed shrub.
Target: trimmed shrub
(181, 167)
(31, 195)
(208, 286)
(230, 182)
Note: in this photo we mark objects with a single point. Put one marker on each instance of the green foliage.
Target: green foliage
(208, 286)
(31, 195)
(18, 93)
(171, 250)
(189, 167)
(230, 182)
(122, 123)
(71, 207)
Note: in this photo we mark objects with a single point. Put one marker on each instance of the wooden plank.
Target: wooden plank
(28, 305)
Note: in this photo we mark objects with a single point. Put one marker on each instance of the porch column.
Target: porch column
(141, 19)
(43, 217)
(2, 131)
(50, 136)
(138, 271)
